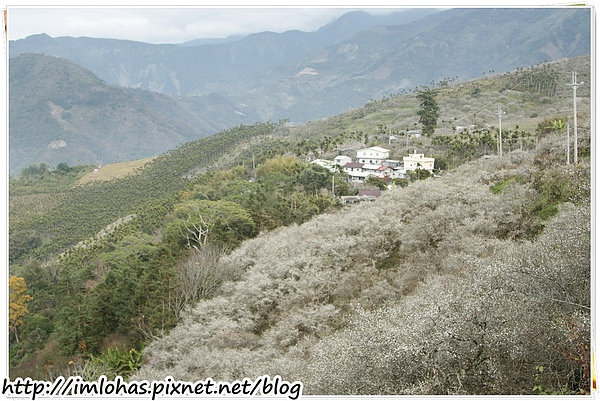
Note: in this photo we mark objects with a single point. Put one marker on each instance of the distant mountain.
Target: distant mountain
(61, 112)
(265, 76)
(212, 41)
(303, 76)
(459, 44)
(180, 70)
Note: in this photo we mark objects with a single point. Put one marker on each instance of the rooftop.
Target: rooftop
(375, 148)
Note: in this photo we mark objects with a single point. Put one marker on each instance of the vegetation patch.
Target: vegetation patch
(114, 171)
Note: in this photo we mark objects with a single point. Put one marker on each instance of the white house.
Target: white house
(342, 160)
(353, 167)
(359, 176)
(418, 160)
(373, 155)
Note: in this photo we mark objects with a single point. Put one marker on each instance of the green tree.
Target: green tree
(63, 168)
(73, 330)
(419, 174)
(21, 242)
(314, 177)
(429, 112)
(378, 182)
(35, 170)
(282, 164)
(218, 222)
(342, 188)
(35, 331)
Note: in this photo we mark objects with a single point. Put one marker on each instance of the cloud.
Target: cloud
(164, 25)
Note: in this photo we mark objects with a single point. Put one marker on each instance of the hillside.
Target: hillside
(460, 104)
(438, 294)
(76, 118)
(290, 278)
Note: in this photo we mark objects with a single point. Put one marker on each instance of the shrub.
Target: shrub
(488, 340)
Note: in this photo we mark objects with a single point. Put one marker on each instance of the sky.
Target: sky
(157, 23)
(164, 25)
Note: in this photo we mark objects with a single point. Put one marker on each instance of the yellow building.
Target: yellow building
(418, 160)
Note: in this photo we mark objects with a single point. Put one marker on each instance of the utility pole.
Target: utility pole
(568, 146)
(574, 85)
(500, 112)
(333, 186)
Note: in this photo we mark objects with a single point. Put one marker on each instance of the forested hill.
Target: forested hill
(240, 242)
(43, 227)
(61, 112)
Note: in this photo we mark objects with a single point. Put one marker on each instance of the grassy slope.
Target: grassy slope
(114, 171)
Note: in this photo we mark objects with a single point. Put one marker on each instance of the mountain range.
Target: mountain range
(87, 100)
(191, 68)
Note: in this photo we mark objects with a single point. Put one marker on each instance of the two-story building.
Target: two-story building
(372, 155)
(418, 160)
(355, 172)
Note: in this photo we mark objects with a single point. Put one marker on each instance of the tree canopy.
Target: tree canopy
(429, 111)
